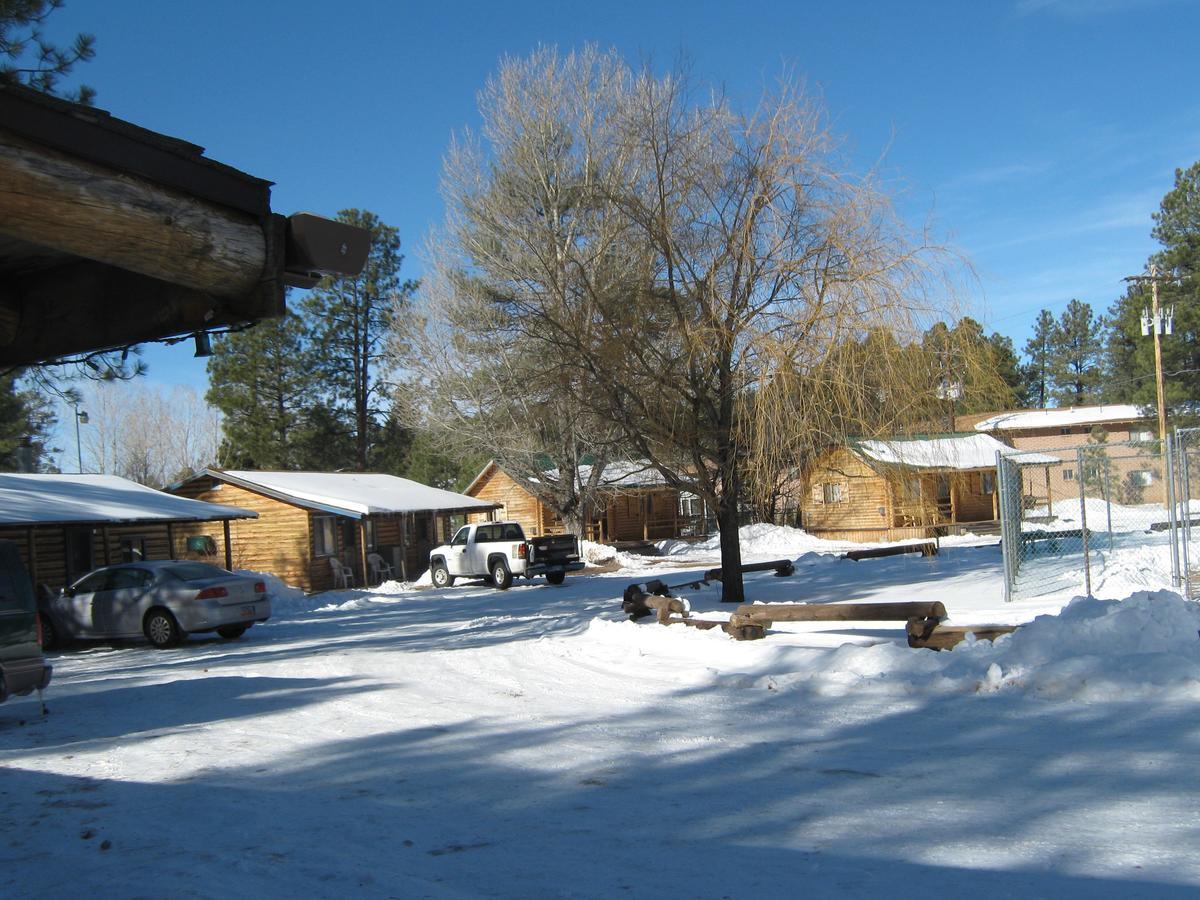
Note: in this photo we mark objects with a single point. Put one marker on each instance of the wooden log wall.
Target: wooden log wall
(44, 548)
(865, 505)
(518, 504)
(279, 541)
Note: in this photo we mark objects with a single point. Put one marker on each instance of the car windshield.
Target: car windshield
(195, 571)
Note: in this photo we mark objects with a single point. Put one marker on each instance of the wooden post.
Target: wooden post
(1156, 327)
(362, 549)
(404, 540)
(31, 539)
(170, 540)
(104, 538)
(228, 545)
(644, 508)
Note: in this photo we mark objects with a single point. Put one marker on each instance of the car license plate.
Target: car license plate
(247, 612)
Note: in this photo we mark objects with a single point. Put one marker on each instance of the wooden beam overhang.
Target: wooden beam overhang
(112, 235)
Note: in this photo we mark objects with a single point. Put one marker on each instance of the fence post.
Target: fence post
(1172, 498)
(1087, 561)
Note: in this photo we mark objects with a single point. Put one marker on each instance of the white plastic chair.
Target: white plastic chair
(379, 569)
(343, 576)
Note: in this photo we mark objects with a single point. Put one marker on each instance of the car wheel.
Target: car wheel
(501, 577)
(49, 635)
(556, 577)
(161, 629)
(441, 576)
(232, 631)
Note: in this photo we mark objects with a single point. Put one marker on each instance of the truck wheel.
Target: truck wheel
(556, 577)
(441, 576)
(501, 577)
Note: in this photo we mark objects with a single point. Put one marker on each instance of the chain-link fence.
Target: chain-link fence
(1185, 509)
(1092, 518)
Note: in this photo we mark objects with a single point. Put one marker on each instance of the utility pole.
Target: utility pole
(1157, 324)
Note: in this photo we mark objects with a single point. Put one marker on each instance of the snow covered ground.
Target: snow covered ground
(411, 742)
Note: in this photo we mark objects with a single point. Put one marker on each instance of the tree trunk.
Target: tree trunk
(732, 590)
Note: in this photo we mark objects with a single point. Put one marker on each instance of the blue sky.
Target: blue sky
(1037, 136)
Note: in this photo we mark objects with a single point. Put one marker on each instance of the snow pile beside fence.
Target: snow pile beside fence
(1095, 651)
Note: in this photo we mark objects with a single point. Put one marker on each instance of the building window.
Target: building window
(133, 549)
(1068, 474)
(987, 482)
(369, 532)
(1141, 434)
(689, 505)
(831, 492)
(324, 536)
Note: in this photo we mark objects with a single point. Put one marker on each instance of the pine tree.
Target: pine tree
(26, 422)
(263, 382)
(354, 324)
(27, 57)
(1130, 354)
(1039, 349)
(1078, 351)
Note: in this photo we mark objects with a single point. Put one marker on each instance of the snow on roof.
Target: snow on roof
(34, 499)
(616, 474)
(353, 494)
(1061, 418)
(974, 451)
(626, 474)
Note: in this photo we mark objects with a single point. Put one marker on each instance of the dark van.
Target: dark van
(22, 668)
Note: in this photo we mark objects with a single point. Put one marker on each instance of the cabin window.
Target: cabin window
(987, 482)
(369, 532)
(133, 549)
(1068, 474)
(689, 505)
(324, 536)
(831, 492)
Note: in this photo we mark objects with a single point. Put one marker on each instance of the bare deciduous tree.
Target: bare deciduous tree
(718, 289)
(148, 435)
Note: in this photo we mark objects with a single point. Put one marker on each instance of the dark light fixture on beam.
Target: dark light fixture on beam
(203, 344)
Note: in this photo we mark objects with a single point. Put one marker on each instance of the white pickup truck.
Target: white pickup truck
(499, 551)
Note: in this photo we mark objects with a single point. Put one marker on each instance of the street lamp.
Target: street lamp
(81, 418)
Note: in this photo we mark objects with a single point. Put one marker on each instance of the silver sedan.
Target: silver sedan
(164, 600)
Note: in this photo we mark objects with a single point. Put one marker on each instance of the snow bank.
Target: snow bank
(1094, 651)
(760, 540)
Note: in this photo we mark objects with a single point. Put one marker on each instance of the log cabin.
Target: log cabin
(309, 523)
(67, 525)
(637, 505)
(888, 490)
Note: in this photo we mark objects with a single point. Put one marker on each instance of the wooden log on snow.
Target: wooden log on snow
(927, 548)
(782, 567)
(744, 632)
(841, 612)
(638, 605)
(702, 624)
(946, 637)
